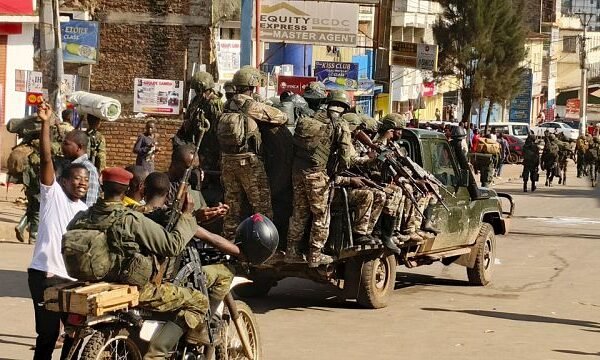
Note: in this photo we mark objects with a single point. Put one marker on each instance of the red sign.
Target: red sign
(34, 99)
(428, 89)
(572, 110)
(12, 7)
(295, 84)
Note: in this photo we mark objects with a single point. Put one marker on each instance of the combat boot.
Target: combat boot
(427, 224)
(387, 230)
(294, 256)
(360, 239)
(164, 341)
(316, 258)
(20, 228)
(525, 186)
(533, 187)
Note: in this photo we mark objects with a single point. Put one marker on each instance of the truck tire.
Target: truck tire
(377, 281)
(485, 248)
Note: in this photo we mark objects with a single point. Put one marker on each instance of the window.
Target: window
(442, 164)
(500, 129)
(570, 44)
(520, 130)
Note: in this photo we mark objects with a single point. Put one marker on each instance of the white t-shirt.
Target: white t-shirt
(56, 211)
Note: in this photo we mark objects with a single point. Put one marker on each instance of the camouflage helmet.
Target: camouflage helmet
(202, 81)
(315, 90)
(597, 139)
(353, 120)
(338, 97)
(369, 123)
(246, 76)
(228, 87)
(392, 121)
(552, 137)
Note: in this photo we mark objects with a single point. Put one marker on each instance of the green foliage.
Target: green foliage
(482, 43)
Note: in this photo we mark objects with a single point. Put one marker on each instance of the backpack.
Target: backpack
(18, 160)
(237, 133)
(99, 251)
(488, 146)
(312, 140)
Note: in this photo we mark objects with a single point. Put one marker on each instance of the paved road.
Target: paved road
(543, 303)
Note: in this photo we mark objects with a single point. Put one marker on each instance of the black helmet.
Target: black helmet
(458, 133)
(258, 238)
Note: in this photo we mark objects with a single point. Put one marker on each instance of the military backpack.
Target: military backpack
(237, 133)
(100, 251)
(313, 140)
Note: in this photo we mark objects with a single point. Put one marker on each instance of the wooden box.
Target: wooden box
(90, 299)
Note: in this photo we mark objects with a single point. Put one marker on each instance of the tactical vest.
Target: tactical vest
(313, 139)
(237, 133)
(101, 251)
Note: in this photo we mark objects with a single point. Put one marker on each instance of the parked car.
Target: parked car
(556, 127)
(515, 144)
(518, 129)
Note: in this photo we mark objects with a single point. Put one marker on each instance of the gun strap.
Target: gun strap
(162, 268)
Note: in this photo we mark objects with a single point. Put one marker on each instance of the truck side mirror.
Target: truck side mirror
(463, 180)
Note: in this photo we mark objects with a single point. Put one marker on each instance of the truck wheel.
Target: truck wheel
(485, 246)
(377, 281)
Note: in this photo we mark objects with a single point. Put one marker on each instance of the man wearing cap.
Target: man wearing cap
(189, 305)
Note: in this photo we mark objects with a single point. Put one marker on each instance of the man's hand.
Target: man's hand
(44, 112)
(188, 204)
(209, 214)
(356, 182)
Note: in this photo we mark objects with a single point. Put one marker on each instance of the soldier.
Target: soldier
(243, 171)
(592, 157)
(206, 106)
(581, 148)
(315, 95)
(531, 162)
(97, 144)
(229, 92)
(550, 158)
(323, 145)
(190, 305)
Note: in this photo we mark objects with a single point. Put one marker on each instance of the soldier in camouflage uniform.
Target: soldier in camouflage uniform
(96, 143)
(315, 95)
(243, 171)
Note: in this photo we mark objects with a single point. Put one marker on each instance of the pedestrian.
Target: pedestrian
(60, 200)
(541, 117)
(504, 152)
(475, 140)
(146, 147)
(531, 163)
(134, 196)
(74, 148)
(97, 143)
(438, 115)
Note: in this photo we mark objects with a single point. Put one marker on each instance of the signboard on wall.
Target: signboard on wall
(295, 84)
(228, 58)
(520, 106)
(572, 108)
(157, 96)
(337, 75)
(309, 22)
(80, 41)
(413, 55)
(34, 82)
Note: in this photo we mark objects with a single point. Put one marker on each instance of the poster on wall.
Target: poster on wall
(21, 80)
(228, 58)
(80, 41)
(157, 96)
(34, 82)
(337, 75)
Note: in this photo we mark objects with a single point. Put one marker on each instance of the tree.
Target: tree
(477, 42)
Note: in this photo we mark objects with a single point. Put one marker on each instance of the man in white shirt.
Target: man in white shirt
(60, 200)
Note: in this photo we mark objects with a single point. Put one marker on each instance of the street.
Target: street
(543, 302)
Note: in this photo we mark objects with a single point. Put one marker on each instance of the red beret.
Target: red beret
(117, 175)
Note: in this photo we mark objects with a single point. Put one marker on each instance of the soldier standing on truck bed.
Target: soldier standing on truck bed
(239, 137)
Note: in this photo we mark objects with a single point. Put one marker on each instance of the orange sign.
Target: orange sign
(572, 110)
(34, 99)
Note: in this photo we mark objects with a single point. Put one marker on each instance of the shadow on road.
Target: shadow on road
(406, 280)
(574, 352)
(3, 340)
(14, 284)
(522, 317)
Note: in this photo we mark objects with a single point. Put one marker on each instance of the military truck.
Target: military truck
(367, 273)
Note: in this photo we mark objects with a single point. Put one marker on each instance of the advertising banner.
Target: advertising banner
(157, 96)
(34, 82)
(228, 53)
(428, 89)
(34, 99)
(337, 75)
(80, 41)
(572, 110)
(309, 22)
(520, 106)
(413, 55)
(295, 84)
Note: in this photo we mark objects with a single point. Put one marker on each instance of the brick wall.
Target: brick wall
(121, 136)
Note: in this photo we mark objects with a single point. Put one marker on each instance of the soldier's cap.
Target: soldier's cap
(353, 120)
(116, 175)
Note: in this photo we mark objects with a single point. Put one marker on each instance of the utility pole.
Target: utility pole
(51, 63)
(585, 21)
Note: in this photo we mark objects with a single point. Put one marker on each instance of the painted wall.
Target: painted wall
(19, 56)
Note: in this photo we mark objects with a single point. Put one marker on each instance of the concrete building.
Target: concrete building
(17, 21)
(586, 6)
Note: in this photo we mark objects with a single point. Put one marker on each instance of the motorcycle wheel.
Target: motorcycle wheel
(232, 349)
(111, 344)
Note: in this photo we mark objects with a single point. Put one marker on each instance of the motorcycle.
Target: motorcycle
(124, 334)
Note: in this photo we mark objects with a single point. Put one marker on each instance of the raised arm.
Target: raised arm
(46, 166)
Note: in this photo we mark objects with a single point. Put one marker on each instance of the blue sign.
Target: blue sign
(337, 75)
(520, 106)
(80, 41)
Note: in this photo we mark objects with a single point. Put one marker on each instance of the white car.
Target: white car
(555, 127)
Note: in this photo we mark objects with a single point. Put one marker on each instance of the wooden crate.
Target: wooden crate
(90, 299)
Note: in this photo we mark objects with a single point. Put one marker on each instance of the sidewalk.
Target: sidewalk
(10, 211)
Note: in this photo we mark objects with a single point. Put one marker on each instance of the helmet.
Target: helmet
(228, 87)
(392, 121)
(458, 132)
(353, 120)
(369, 123)
(552, 137)
(246, 76)
(339, 97)
(286, 95)
(202, 81)
(315, 90)
(258, 238)
(597, 139)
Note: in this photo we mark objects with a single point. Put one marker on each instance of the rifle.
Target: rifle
(423, 174)
(367, 181)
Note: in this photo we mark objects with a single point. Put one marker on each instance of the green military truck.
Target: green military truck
(367, 273)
